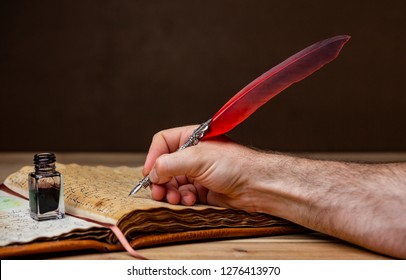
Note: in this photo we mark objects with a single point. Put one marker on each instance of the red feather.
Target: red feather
(272, 82)
(263, 88)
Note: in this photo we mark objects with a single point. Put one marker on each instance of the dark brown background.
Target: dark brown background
(107, 75)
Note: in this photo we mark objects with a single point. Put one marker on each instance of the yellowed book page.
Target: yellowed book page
(98, 192)
(18, 226)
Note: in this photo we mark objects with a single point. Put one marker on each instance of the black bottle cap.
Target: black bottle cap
(44, 158)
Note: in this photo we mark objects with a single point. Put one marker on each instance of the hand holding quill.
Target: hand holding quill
(261, 90)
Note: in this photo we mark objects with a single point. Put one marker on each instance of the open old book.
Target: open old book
(98, 195)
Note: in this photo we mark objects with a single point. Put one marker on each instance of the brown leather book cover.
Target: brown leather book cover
(45, 249)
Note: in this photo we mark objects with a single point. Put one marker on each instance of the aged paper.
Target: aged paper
(98, 192)
(17, 226)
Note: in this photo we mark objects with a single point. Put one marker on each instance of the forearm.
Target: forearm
(363, 204)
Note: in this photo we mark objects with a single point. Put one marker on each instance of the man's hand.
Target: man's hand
(215, 171)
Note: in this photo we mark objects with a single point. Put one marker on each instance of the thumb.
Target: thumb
(167, 166)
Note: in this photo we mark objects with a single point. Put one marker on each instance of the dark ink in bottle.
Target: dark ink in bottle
(45, 187)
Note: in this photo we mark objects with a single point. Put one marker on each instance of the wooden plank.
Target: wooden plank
(291, 247)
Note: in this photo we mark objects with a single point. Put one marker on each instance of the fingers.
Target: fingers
(164, 142)
(192, 194)
(187, 162)
(167, 185)
(186, 194)
(158, 192)
(179, 190)
(168, 192)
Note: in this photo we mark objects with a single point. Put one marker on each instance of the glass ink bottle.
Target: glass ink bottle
(45, 186)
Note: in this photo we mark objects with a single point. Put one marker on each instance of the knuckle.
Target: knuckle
(158, 135)
(161, 164)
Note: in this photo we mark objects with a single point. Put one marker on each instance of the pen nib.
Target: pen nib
(143, 183)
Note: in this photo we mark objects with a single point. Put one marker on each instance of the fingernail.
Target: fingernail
(153, 177)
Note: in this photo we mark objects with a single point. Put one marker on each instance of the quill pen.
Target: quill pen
(262, 89)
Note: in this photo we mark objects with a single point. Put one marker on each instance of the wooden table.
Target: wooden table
(298, 246)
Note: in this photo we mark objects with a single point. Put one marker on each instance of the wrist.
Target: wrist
(275, 185)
